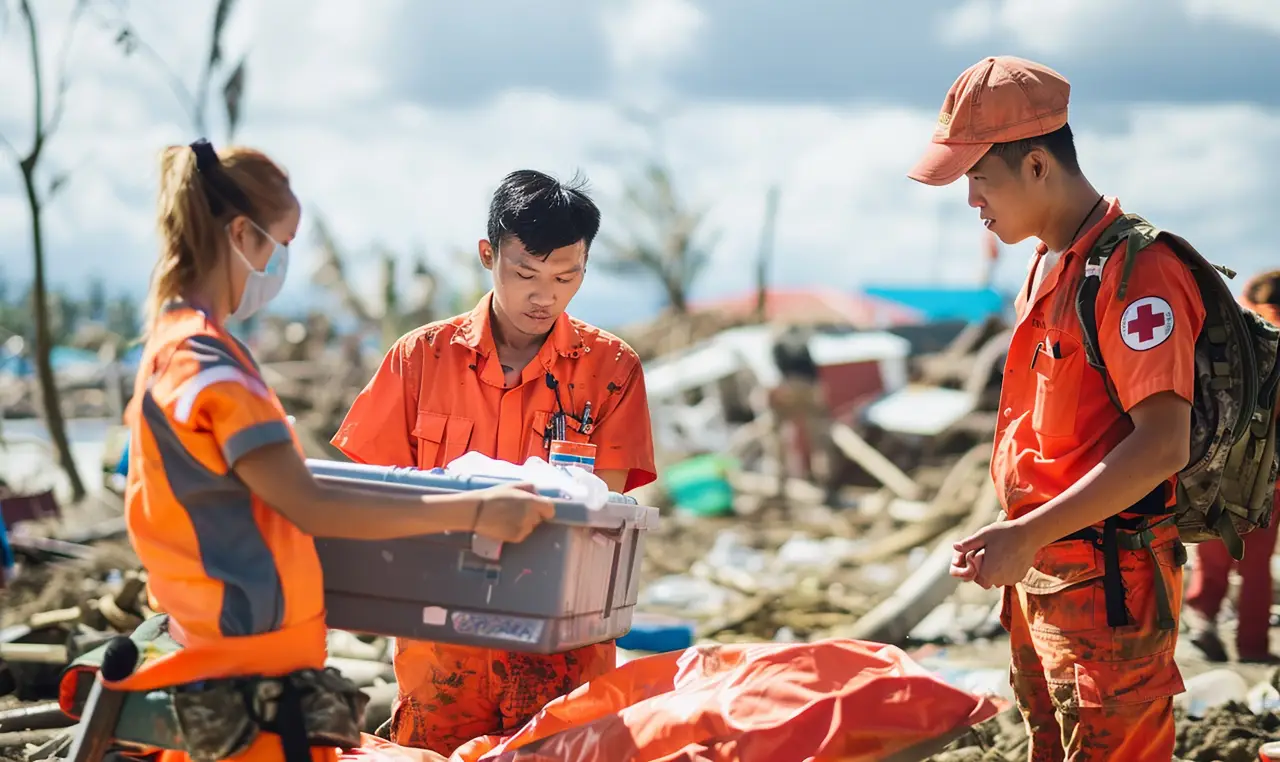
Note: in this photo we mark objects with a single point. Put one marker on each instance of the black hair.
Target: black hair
(542, 213)
(1059, 144)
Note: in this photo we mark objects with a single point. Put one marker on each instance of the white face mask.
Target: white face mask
(262, 285)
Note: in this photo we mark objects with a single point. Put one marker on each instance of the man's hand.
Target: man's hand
(966, 566)
(997, 555)
(510, 512)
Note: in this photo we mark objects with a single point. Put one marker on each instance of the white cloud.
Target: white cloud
(1048, 28)
(651, 33)
(1250, 14)
(646, 39)
(407, 175)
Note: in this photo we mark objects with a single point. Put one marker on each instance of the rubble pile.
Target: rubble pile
(1230, 732)
(59, 608)
(803, 570)
(1227, 733)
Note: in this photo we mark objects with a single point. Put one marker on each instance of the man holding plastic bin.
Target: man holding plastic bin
(513, 379)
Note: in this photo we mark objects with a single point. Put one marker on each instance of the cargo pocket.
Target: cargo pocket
(1064, 594)
(1101, 684)
(1057, 384)
(441, 438)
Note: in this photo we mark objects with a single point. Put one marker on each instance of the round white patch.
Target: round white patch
(1146, 323)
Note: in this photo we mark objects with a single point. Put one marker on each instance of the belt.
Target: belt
(219, 719)
(1133, 533)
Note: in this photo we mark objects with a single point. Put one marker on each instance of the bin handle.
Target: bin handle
(613, 577)
(486, 547)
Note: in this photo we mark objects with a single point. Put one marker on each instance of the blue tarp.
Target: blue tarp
(6, 554)
(943, 303)
(62, 359)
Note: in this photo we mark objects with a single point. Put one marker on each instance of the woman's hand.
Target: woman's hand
(509, 513)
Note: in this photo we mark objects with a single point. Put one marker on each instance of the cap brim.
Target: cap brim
(944, 163)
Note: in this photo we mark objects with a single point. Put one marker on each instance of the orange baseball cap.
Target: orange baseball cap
(997, 100)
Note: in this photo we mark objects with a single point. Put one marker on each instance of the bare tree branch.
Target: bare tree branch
(330, 273)
(131, 43)
(194, 103)
(64, 55)
(671, 249)
(221, 14)
(176, 84)
(27, 166)
(33, 40)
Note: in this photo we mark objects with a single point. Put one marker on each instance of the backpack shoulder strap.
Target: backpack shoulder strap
(1137, 234)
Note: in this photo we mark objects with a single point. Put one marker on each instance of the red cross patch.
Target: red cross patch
(1146, 323)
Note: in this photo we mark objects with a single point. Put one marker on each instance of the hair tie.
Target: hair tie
(206, 157)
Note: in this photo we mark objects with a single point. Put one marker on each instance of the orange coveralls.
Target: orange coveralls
(1088, 689)
(438, 394)
(241, 584)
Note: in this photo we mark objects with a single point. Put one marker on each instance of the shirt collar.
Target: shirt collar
(1080, 248)
(476, 332)
(1085, 242)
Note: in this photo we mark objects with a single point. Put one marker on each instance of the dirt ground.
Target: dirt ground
(1229, 733)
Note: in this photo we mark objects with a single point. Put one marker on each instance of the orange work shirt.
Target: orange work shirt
(241, 584)
(440, 392)
(1056, 422)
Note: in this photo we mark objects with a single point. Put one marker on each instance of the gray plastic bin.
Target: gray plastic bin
(572, 582)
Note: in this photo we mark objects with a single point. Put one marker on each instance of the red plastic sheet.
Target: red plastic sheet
(843, 700)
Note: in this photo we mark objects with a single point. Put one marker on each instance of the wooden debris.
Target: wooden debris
(33, 653)
(57, 616)
(869, 458)
(26, 738)
(117, 616)
(46, 548)
(35, 717)
(927, 587)
(765, 485)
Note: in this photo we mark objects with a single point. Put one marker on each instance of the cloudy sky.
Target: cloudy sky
(398, 120)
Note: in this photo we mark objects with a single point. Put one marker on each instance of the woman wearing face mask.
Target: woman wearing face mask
(221, 508)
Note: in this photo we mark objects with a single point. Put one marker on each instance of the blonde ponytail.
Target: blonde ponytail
(192, 212)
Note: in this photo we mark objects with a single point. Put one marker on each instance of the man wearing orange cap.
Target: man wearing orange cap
(1089, 562)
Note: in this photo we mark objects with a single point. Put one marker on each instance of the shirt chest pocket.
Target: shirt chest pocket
(1058, 363)
(538, 439)
(441, 439)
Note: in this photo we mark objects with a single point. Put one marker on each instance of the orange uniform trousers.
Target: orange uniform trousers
(1088, 691)
(450, 694)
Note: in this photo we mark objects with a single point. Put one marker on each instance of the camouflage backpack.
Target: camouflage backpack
(1228, 485)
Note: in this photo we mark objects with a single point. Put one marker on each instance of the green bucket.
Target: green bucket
(700, 485)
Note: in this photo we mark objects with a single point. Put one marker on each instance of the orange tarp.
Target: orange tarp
(843, 700)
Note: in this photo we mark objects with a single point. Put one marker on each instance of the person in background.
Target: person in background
(499, 380)
(799, 399)
(1091, 630)
(220, 506)
(1211, 572)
